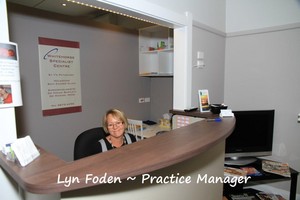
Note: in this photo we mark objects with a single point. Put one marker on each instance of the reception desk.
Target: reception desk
(184, 152)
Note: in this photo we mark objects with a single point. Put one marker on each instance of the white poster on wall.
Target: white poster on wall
(10, 87)
(60, 76)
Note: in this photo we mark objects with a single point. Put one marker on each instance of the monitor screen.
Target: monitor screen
(252, 136)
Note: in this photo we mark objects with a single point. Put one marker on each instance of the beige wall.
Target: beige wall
(109, 78)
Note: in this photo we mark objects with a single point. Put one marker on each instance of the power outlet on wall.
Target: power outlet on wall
(141, 100)
(144, 100)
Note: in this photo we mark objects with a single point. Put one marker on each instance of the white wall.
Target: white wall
(211, 76)
(211, 13)
(262, 72)
(244, 15)
(262, 68)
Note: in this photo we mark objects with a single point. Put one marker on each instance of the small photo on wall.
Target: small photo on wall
(204, 100)
(5, 94)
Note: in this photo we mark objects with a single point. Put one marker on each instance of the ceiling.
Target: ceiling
(73, 9)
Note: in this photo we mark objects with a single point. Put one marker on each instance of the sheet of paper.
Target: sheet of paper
(25, 150)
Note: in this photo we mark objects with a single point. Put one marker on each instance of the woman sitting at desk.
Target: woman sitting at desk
(115, 123)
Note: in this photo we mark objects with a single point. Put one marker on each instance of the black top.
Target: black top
(105, 145)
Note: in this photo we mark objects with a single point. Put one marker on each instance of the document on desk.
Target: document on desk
(151, 130)
(25, 150)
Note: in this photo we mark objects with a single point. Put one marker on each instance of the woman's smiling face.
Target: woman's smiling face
(115, 126)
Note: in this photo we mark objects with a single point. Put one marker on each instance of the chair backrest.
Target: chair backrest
(135, 127)
(86, 144)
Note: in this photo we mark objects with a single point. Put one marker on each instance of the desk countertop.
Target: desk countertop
(195, 113)
(41, 176)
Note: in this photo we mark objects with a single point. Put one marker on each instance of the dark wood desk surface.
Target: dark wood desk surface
(196, 113)
(41, 176)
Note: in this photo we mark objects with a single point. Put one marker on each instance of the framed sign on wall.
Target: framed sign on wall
(59, 76)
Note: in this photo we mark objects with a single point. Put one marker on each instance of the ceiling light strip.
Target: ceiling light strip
(108, 10)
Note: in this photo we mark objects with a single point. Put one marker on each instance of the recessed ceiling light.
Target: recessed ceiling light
(64, 4)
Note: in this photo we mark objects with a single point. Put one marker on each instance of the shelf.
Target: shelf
(266, 177)
(155, 74)
(157, 51)
(159, 61)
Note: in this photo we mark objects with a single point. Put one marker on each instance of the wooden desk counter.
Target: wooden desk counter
(43, 174)
(195, 113)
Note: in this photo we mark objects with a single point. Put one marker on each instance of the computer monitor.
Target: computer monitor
(251, 138)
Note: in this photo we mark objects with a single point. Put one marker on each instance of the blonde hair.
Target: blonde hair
(116, 114)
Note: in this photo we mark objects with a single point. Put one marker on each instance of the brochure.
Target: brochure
(275, 167)
(269, 196)
(251, 171)
(230, 171)
(243, 196)
(25, 150)
(246, 194)
(10, 84)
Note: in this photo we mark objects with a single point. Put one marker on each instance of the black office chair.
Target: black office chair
(86, 144)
